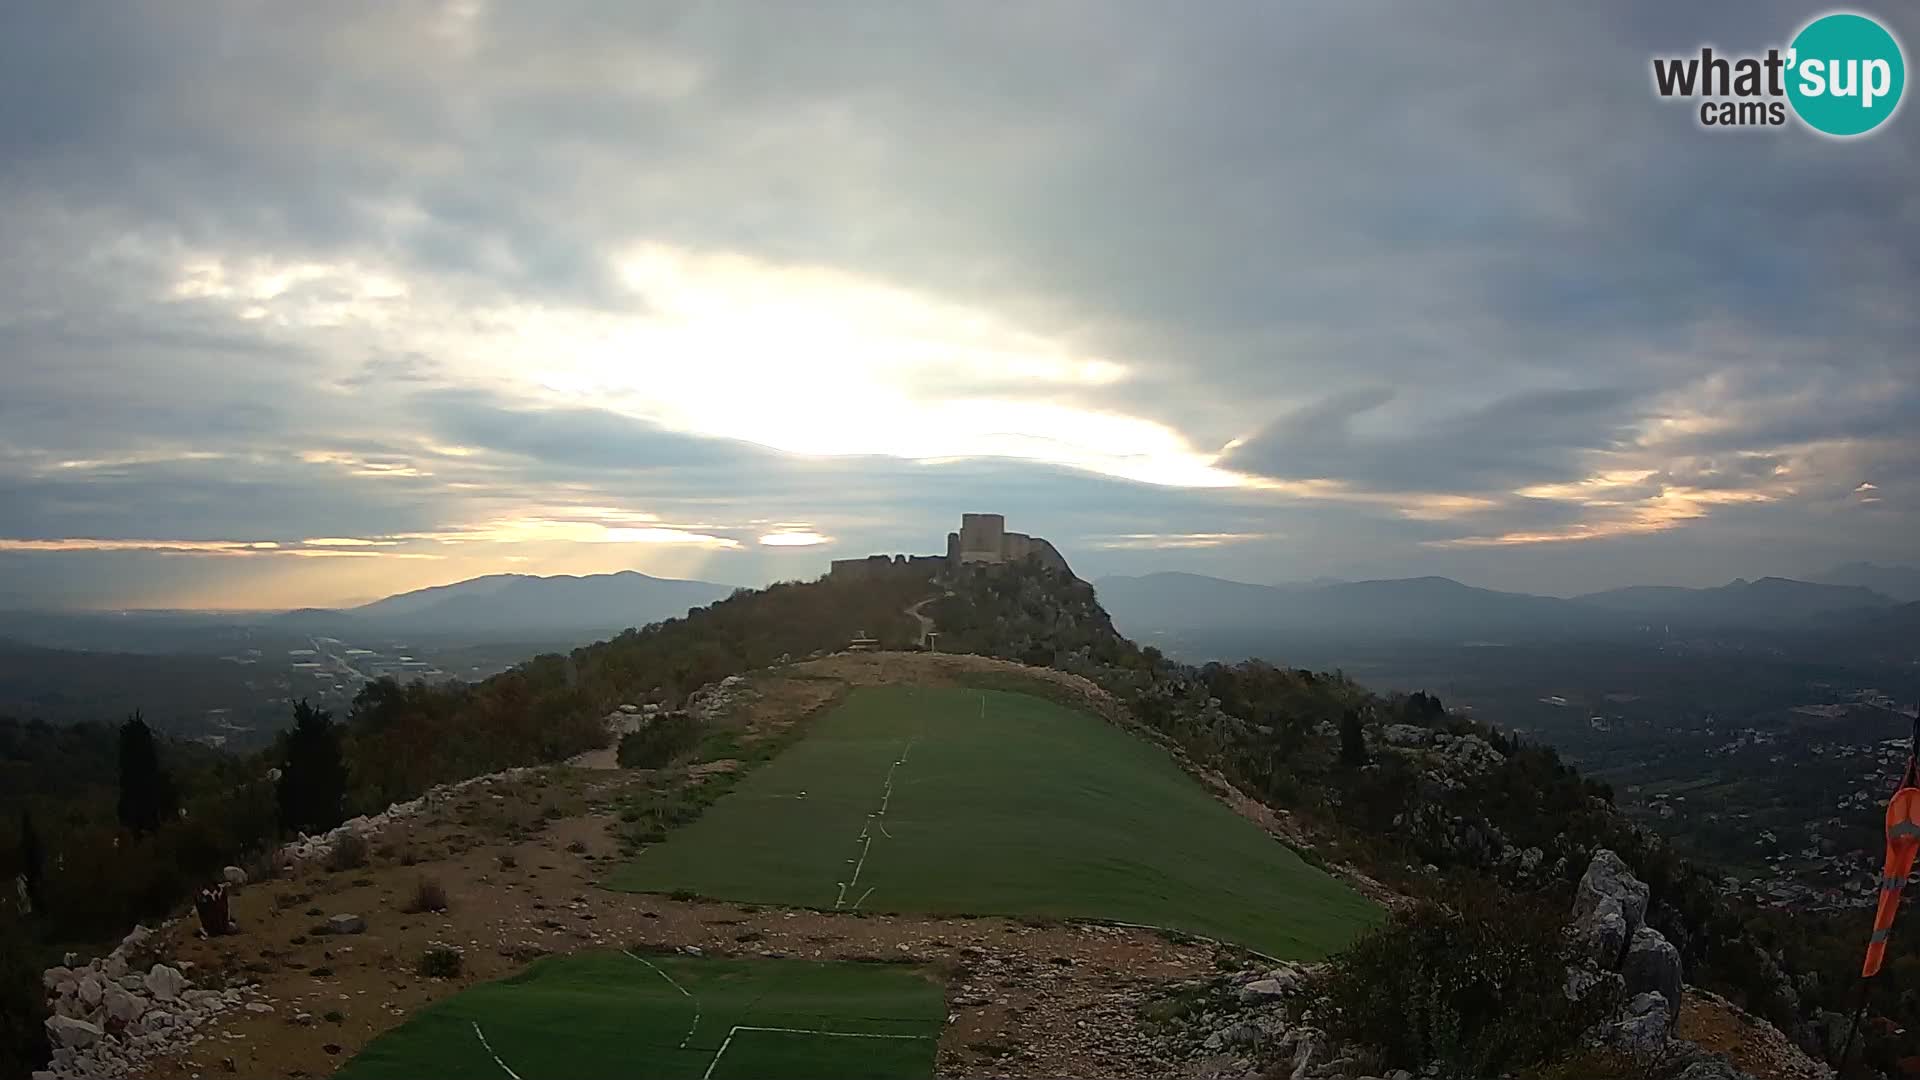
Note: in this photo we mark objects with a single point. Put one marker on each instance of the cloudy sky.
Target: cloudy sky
(304, 304)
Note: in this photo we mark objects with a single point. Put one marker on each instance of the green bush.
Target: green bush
(659, 743)
(1474, 986)
(439, 962)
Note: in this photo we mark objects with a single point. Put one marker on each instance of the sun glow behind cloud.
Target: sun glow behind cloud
(805, 360)
(794, 539)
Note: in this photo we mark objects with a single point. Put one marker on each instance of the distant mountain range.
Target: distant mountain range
(1900, 582)
(514, 605)
(1771, 600)
(1215, 614)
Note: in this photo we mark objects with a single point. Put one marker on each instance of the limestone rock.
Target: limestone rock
(1644, 1027)
(1604, 934)
(1653, 965)
(1584, 981)
(1406, 735)
(165, 983)
(234, 876)
(122, 1006)
(1264, 988)
(346, 924)
(65, 1031)
(1608, 876)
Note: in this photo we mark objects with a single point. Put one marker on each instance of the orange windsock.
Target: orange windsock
(1903, 843)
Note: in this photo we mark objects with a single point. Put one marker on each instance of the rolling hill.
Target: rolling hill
(517, 606)
(1211, 615)
(524, 603)
(1900, 582)
(1391, 610)
(1770, 599)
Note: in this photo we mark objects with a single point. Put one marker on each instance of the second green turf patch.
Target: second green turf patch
(951, 801)
(616, 1015)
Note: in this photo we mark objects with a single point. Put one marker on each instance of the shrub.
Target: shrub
(349, 853)
(659, 743)
(428, 895)
(439, 962)
(1474, 987)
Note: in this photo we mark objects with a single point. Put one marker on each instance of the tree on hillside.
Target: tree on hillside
(1353, 743)
(33, 859)
(23, 1006)
(313, 778)
(146, 792)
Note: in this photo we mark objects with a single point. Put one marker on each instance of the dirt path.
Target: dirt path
(1754, 1047)
(925, 621)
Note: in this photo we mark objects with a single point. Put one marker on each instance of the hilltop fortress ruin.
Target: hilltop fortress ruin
(982, 545)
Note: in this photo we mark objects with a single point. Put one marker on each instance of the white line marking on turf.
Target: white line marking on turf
(676, 986)
(862, 863)
(494, 1056)
(738, 1028)
(866, 828)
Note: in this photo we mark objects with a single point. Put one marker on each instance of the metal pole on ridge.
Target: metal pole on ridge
(1903, 842)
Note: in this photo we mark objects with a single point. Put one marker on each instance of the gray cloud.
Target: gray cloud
(1267, 215)
(1514, 441)
(577, 438)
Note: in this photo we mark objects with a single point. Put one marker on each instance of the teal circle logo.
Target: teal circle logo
(1846, 73)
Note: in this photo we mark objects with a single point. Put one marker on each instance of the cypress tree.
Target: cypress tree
(313, 781)
(146, 793)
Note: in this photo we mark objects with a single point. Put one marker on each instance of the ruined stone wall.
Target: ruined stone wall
(860, 569)
(877, 566)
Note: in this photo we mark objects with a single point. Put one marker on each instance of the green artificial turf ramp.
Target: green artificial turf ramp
(997, 803)
(622, 1015)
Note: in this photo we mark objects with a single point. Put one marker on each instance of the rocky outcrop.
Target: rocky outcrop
(1642, 1027)
(1609, 884)
(1625, 957)
(1652, 965)
(1406, 735)
(1471, 755)
(111, 1017)
(1609, 909)
(715, 700)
